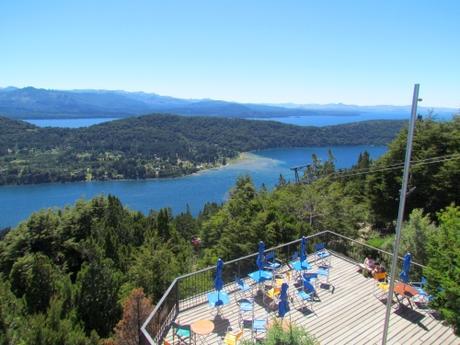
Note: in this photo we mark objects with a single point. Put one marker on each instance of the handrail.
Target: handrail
(372, 247)
(155, 310)
(251, 255)
(177, 279)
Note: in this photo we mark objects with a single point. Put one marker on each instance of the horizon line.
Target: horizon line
(279, 104)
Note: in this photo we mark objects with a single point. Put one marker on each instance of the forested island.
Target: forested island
(155, 146)
(90, 273)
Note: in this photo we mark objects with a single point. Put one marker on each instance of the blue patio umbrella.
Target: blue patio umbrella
(404, 275)
(283, 305)
(260, 257)
(303, 249)
(218, 281)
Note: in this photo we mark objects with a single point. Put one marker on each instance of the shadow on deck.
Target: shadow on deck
(347, 312)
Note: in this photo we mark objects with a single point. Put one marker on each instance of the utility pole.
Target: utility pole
(402, 203)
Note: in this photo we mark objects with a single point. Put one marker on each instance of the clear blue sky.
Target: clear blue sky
(357, 52)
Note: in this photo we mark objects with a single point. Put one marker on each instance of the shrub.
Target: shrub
(276, 335)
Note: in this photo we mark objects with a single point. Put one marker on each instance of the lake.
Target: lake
(69, 123)
(265, 166)
(310, 120)
(329, 120)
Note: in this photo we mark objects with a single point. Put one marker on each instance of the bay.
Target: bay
(213, 185)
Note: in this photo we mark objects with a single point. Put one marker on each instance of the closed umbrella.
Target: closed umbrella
(260, 257)
(404, 275)
(303, 249)
(283, 306)
(218, 281)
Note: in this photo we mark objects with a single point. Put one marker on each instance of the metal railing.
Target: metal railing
(190, 290)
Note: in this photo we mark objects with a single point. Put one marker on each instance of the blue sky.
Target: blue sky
(355, 52)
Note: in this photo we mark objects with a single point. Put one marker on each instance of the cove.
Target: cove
(265, 166)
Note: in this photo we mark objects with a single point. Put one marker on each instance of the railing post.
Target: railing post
(177, 296)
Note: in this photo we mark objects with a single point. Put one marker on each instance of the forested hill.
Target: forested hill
(158, 145)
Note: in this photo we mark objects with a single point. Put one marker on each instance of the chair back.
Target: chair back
(308, 276)
(423, 281)
(308, 286)
(380, 276)
(270, 256)
(178, 326)
(320, 246)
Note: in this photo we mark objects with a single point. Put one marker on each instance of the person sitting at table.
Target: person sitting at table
(367, 267)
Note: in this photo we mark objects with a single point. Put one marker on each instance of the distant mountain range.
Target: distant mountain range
(30, 103)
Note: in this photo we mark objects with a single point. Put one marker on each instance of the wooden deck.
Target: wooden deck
(347, 313)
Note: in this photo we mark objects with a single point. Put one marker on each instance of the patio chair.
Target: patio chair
(182, 332)
(311, 277)
(294, 258)
(422, 301)
(381, 287)
(242, 288)
(271, 262)
(420, 286)
(259, 327)
(278, 280)
(233, 337)
(323, 273)
(271, 296)
(306, 295)
(245, 311)
(322, 254)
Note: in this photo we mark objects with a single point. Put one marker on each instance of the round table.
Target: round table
(202, 328)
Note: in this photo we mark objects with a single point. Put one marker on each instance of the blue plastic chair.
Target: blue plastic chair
(306, 295)
(311, 277)
(323, 272)
(242, 289)
(294, 258)
(245, 311)
(259, 328)
(182, 332)
(271, 262)
(322, 254)
(420, 286)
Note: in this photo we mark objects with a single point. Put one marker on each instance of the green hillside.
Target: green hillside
(72, 276)
(158, 146)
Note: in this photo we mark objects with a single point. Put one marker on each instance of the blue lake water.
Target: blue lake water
(311, 120)
(69, 123)
(18, 202)
(328, 120)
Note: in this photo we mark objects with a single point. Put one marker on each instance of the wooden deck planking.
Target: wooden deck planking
(350, 315)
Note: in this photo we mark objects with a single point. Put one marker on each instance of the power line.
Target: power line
(395, 166)
(412, 161)
(421, 162)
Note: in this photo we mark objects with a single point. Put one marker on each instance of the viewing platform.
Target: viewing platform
(350, 309)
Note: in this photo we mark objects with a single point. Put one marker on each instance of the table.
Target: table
(405, 291)
(202, 328)
(260, 276)
(300, 265)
